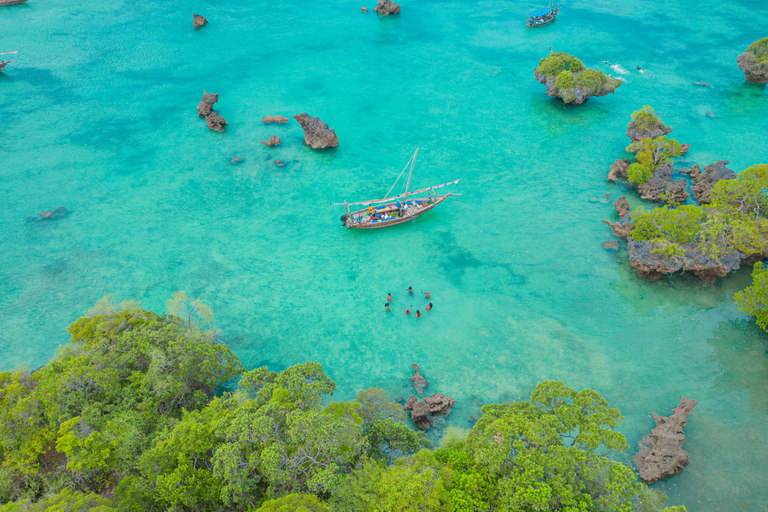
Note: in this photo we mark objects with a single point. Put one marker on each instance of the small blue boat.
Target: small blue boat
(543, 16)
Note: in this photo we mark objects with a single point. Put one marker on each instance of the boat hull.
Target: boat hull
(12, 2)
(3, 64)
(415, 212)
(540, 22)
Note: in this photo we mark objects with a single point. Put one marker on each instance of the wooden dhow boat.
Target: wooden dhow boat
(12, 2)
(4, 63)
(543, 16)
(382, 213)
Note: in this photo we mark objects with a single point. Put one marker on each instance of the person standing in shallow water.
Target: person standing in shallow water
(408, 311)
(387, 306)
(418, 313)
(426, 295)
(410, 290)
(389, 297)
(429, 307)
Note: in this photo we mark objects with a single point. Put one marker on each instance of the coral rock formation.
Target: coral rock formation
(205, 107)
(567, 78)
(619, 229)
(432, 405)
(198, 21)
(236, 161)
(661, 453)
(754, 62)
(661, 187)
(272, 141)
(652, 265)
(619, 169)
(419, 382)
(622, 207)
(316, 133)
(611, 246)
(387, 7)
(215, 122)
(274, 119)
(684, 149)
(705, 181)
(279, 163)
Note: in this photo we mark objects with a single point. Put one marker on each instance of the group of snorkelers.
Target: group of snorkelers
(408, 311)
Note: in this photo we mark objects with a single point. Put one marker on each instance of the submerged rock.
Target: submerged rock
(215, 122)
(622, 207)
(316, 133)
(619, 169)
(705, 181)
(432, 405)
(703, 84)
(274, 119)
(198, 21)
(661, 453)
(619, 229)
(567, 78)
(652, 264)
(280, 163)
(364, 9)
(206, 104)
(272, 141)
(236, 161)
(387, 7)
(754, 62)
(439, 403)
(419, 382)
(56, 213)
(611, 246)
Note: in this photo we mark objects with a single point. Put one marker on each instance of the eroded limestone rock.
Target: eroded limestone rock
(198, 21)
(387, 7)
(419, 382)
(705, 181)
(215, 122)
(619, 169)
(274, 119)
(206, 104)
(622, 207)
(272, 141)
(316, 133)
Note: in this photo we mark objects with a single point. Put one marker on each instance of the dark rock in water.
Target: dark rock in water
(619, 169)
(215, 121)
(420, 415)
(711, 115)
(684, 149)
(387, 7)
(419, 382)
(205, 107)
(661, 453)
(661, 187)
(653, 266)
(198, 21)
(611, 246)
(316, 133)
(364, 9)
(280, 163)
(473, 419)
(622, 207)
(274, 119)
(272, 141)
(56, 213)
(236, 161)
(619, 229)
(705, 181)
(410, 403)
(439, 403)
(754, 62)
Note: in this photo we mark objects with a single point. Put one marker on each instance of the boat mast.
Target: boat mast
(408, 183)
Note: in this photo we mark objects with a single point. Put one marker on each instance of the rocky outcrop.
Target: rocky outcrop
(622, 207)
(619, 169)
(56, 213)
(205, 107)
(573, 91)
(619, 229)
(236, 161)
(279, 163)
(661, 187)
(684, 149)
(198, 21)
(274, 119)
(638, 133)
(316, 133)
(272, 141)
(387, 7)
(704, 181)
(419, 382)
(215, 122)
(660, 453)
(421, 412)
(653, 265)
(754, 62)
(611, 246)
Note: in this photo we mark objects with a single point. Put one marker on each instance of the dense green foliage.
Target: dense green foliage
(734, 220)
(132, 415)
(557, 62)
(760, 49)
(565, 80)
(646, 120)
(650, 155)
(754, 299)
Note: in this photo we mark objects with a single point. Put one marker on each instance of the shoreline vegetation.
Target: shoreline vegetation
(139, 412)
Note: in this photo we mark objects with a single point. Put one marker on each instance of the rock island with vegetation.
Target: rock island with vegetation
(754, 62)
(567, 78)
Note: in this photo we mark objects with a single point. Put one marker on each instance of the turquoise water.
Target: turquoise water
(98, 115)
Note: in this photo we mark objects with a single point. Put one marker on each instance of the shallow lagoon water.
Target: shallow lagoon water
(99, 116)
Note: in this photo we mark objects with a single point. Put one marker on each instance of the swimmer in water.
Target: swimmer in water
(429, 307)
(387, 306)
(640, 69)
(418, 313)
(606, 63)
(410, 290)
(389, 297)
(426, 295)
(408, 311)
